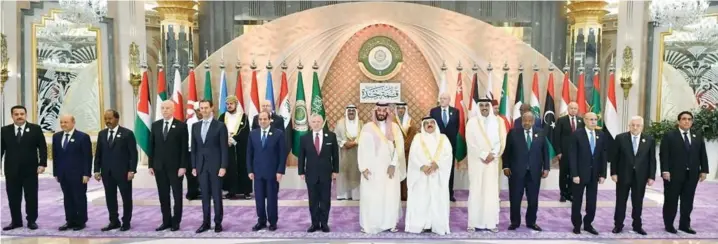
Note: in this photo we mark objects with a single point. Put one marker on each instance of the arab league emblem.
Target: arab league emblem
(380, 58)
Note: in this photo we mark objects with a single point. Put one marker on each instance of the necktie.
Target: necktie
(592, 140)
(165, 130)
(316, 142)
(635, 145)
(264, 137)
(528, 138)
(686, 142)
(19, 134)
(445, 116)
(64, 142)
(112, 137)
(205, 127)
(573, 124)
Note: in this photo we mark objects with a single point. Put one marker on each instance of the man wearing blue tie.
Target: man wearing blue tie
(210, 145)
(587, 163)
(266, 162)
(72, 168)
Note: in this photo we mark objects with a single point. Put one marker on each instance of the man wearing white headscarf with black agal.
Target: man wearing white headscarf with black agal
(408, 129)
(428, 172)
(485, 141)
(347, 131)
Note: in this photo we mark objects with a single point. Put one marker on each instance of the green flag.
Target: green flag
(317, 102)
(596, 100)
(504, 104)
(300, 118)
(208, 86)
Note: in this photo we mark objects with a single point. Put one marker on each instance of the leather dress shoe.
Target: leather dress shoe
(65, 227)
(125, 227)
(259, 226)
(174, 228)
(111, 226)
(591, 230)
(617, 230)
(563, 199)
(162, 227)
(688, 230)
(202, 228)
(513, 227)
(312, 228)
(640, 230)
(218, 228)
(78, 227)
(452, 198)
(326, 229)
(671, 230)
(32, 226)
(534, 227)
(577, 231)
(11, 226)
(272, 227)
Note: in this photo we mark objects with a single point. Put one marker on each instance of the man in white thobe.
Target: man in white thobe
(347, 131)
(430, 159)
(485, 140)
(382, 163)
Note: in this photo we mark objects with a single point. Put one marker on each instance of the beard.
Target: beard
(381, 117)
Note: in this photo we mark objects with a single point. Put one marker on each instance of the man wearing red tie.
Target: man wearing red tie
(565, 126)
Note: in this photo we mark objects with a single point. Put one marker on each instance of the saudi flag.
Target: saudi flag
(504, 104)
(549, 117)
(519, 99)
(596, 99)
(208, 85)
(300, 117)
(535, 104)
(317, 102)
(161, 92)
(142, 117)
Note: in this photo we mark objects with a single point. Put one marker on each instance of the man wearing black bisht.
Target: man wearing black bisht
(236, 182)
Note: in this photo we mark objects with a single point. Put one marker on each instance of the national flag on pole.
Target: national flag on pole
(535, 104)
(222, 91)
(474, 99)
(611, 117)
(161, 92)
(253, 108)
(177, 95)
(284, 109)
(549, 117)
(519, 99)
(208, 85)
(143, 123)
(459, 104)
(269, 91)
(317, 101)
(596, 99)
(504, 103)
(239, 92)
(191, 94)
(300, 117)
(581, 94)
(565, 95)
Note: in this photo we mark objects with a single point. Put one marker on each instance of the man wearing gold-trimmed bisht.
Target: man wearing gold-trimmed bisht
(347, 131)
(408, 130)
(236, 182)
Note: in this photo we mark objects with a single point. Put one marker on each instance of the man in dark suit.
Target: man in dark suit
(448, 119)
(318, 166)
(72, 168)
(587, 163)
(684, 162)
(115, 166)
(525, 162)
(633, 166)
(236, 182)
(565, 126)
(527, 108)
(276, 121)
(266, 162)
(209, 163)
(168, 163)
(193, 192)
(25, 151)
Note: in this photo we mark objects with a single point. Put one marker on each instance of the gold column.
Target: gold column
(176, 13)
(586, 15)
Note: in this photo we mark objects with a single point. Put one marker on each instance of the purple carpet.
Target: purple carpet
(345, 220)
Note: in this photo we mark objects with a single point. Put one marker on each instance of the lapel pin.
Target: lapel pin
(72, 140)
(643, 140)
(270, 133)
(579, 120)
(173, 126)
(694, 135)
(118, 135)
(535, 135)
(27, 129)
(325, 135)
(596, 137)
(241, 122)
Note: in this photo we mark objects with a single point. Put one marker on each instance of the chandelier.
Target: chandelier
(677, 13)
(74, 14)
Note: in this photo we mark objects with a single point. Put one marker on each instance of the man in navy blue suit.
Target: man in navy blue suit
(527, 108)
(448, 119)
(72, 168)
(525, 163)
(266, 162)
(210, 145)
(587, 163)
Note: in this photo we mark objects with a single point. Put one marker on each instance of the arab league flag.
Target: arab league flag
(300, 117)
(549, 117)
(142, 117)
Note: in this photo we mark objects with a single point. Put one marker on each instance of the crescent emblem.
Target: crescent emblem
(547, 112)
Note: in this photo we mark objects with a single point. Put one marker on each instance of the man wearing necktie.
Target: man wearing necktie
(266, 162)
(318, 159)
(25, 150)
(210, 145)
(565, 126)
(72, 168)
(587, 163)
(447, 118)
(116, 165)
(684, 162)
(633, 166)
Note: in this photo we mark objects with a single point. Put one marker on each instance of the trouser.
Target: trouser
(591, 188)
(564, 177)
(517, 185)
(74, 194)
(211, 185)
(637, 189)
(166, 180)
(22, 182)
(319, 201)
(684, 190)
(265, 197)
(112, 181)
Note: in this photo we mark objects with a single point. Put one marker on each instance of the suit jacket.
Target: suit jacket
(451, 128)
(562, 133)
(75, 160)
(268, 160)
(26, 155)
(518, 156)
(624, 162)
(675, 159)
(277, 122)
(538, 123)
(584, 164)
(211, 154)
(318, 167)
(168, 153)
(120, 156)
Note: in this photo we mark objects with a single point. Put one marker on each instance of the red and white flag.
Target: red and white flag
(239, 92)
(610, 119)
(191, 94)
(565, 95)
(253, 108)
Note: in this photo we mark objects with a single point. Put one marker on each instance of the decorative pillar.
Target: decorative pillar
(10, 64)
(631, 38)
(176, 21)
(585, 18)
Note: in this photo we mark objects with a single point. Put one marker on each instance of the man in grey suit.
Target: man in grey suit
(210, 141)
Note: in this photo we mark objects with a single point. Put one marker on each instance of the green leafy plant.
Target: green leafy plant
(705, 122)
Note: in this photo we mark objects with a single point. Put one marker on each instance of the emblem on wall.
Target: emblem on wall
(380, 58)
(300, 116)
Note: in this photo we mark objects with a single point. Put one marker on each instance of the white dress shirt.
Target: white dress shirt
(21, 127)
(114, 134)
(321, 137)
